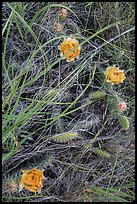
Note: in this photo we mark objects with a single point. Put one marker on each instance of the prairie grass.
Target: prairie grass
(62, 117)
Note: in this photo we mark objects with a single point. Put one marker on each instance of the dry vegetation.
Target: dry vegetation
(61, 116)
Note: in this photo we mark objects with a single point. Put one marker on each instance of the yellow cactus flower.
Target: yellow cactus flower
(32, 180)
(114, 75)
(67, 45)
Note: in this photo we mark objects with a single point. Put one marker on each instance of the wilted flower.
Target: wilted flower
(122, 106)
(57, 27)
(114, 75)
(62, 13)
(12, 186)
(32, 180)
(67, 45)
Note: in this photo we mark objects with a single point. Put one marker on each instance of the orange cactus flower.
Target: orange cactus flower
(32, 180)
(114, 75)
(122, 106)
(62, 13)
(67, 45)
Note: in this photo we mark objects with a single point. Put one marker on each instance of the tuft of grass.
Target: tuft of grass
(114, 194)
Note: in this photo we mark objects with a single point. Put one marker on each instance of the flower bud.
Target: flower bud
(122, 106)
(62, 13)
(57, 27)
